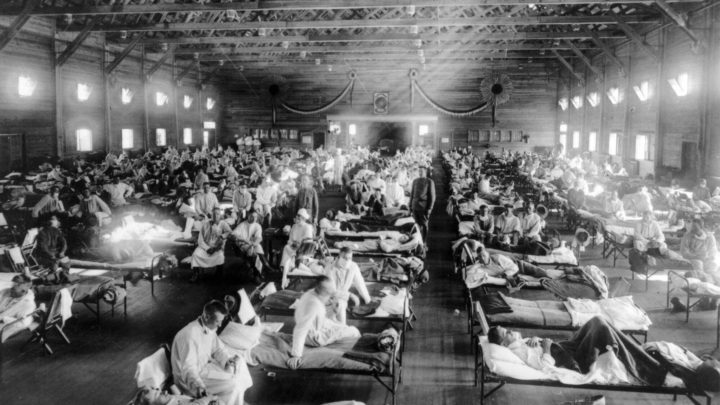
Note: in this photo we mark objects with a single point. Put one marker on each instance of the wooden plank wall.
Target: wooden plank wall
(669, 120)
(33, 52)
(530, 111)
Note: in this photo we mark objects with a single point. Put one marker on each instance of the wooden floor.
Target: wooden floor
(98, 367)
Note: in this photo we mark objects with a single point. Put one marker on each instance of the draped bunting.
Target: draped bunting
(453, 113)
(332, 103)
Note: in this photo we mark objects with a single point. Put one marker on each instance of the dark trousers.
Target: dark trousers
(422, 218)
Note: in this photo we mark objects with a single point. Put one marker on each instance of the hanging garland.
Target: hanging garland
(274, 91)
(495, 92)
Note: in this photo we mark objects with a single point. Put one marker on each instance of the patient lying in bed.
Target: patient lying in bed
(581, 353)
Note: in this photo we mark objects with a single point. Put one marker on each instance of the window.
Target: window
(615, 95)
(563, 127)
(423, 129)
(563, 103)
(84, 140)
(187, 136)
(643, 91)
(577, 102)
(128, 138)
(206, 138)
(352, 129)
(210, 103)
(613, 143)
(594, 99)
(209, 125)
(26, 86)
(84, 91)
(187, 102)
(592, 141)
(680, 84)
(563, 142)
(642, 147)
(576, 139)
(160, 137)
(161, 99)
(126, 96)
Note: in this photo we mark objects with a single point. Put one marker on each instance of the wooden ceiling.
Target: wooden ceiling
(303, 37)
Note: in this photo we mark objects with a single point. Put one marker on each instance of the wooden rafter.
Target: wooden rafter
(567, 65)
(116, 62)
(607, 51)
(78, 41)
(639, 40)
(186, 70)
(585, 59)
(376, 23)
(23, 16)
(680, 20)
(170, 52)
(270, 5)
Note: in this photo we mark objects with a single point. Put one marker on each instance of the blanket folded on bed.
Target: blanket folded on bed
(366, 351)
(621, 312)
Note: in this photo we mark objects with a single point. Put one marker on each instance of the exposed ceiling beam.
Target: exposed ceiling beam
(568, 66)
(160, 62)
(270, 5)
(77, 42)
(22, 17)
(209, 75)
(342, 59)
(185, 71)
(638, 39)
(585, 59)
(376, 23)
(495, 36)
(224, 50)
(607, 51)
(223, 40)
(680, 20)
(116, 62)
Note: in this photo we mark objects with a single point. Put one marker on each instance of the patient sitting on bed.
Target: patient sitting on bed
(312, 326)
(582, 350)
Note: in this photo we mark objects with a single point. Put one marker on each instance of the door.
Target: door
(11, 153)
(318, 139)
(688, 165)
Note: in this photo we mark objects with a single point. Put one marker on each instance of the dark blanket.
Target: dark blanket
(366, 351)
(571, 287)
(582, 350)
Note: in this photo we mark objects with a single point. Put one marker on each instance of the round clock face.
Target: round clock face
(381, 102)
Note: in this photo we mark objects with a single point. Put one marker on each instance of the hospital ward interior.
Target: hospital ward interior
(359, 202)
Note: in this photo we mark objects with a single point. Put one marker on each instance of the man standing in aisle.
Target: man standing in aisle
(422, 200)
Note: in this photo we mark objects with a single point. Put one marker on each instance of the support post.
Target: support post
(18, 23)
(77, 42)
(116, 62)
(637, 39)
(568, 66)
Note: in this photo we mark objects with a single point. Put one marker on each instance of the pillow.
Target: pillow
(500, 360)
(241, 337)
(494, 303)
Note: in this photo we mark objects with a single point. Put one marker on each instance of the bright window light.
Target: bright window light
(643, 91)
(210, 103)
(84, 140)
(209, 125)
(592, 141)
(84, 91)
(563, 141)
(206, 138)
(161, 99)
(576, 139)
(26, 86)
(593, 98)
(187, 101)
(160, 137)
(126, 96)
(423, 129)
(187, 136)
(680, 84)
(577, 102)
(563, 127)
(614, 95)
(352, 129)
(127, 138)
(642, 147)
(563, 103)
(613, 144)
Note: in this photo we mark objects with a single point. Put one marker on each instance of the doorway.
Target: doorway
(389, 137)
(689, 160)
(11, 153)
